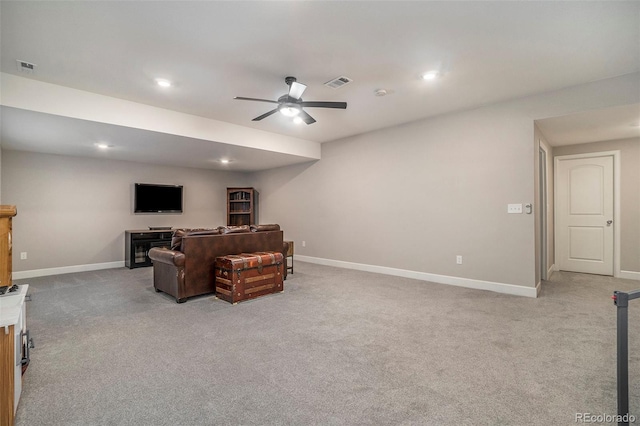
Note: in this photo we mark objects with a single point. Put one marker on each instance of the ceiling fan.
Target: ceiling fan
(292, 104)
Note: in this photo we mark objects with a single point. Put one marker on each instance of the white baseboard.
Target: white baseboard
(551, 270)
(629, 275)
(517, 290)
(20, 275)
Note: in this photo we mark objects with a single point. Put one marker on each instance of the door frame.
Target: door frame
(543, 175)
(616, 201)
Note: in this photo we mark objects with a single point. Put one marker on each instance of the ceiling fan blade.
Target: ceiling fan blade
(296, 90)
(254, 99)
(306, 117)
(323, 104)
(265, 115)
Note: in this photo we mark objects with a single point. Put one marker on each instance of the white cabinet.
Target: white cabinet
(13, 347)
(13, 325)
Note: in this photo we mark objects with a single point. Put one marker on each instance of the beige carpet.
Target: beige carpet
(338, 347)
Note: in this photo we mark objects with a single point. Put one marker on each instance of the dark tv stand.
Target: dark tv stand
(137, 244)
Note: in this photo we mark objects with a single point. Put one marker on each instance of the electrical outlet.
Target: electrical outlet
(459, 260)
(23, 255)
(304, 243)
(514, 208)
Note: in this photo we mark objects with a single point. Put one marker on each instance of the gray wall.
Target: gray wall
(629, 194)
(74, 211)
(415, 196)
(410, 197)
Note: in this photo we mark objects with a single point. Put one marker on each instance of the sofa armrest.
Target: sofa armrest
(164, 255)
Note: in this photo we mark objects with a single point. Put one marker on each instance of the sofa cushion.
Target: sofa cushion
(235, 229)
(176, 239)
(262, 228)
(204, 231)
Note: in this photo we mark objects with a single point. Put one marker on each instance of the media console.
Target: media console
(137, 244)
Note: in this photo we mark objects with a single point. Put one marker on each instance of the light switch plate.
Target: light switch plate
(514, 208)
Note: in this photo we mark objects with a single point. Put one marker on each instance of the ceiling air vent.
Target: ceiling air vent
(26, 67)
(338, 82)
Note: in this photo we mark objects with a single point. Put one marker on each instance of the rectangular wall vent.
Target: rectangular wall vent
(26, 67)
(338, 82)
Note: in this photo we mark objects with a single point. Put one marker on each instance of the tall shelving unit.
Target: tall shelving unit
(242, 206)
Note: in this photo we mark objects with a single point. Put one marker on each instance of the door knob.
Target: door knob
(609, 222)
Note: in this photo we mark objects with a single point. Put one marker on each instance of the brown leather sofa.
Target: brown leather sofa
(186, 270)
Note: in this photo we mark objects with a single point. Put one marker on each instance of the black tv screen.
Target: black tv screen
(150, 198)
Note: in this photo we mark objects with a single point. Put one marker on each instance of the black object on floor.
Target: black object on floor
(621, 300)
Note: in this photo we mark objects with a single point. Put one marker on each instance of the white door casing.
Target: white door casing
(542, 175)
(585, 214)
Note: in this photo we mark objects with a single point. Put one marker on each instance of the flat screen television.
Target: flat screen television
(151, 198)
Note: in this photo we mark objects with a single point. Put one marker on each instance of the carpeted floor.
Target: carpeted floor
(338, 347)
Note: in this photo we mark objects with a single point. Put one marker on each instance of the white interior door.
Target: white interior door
(585, 213)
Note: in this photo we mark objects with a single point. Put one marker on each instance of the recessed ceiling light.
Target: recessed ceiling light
(431, 75)
(103, 145)
(162, 82)
(224, 161)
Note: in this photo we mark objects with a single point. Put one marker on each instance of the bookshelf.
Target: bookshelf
(242, 206)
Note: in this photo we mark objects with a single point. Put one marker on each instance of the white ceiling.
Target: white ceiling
(55, 134)
(212, 51)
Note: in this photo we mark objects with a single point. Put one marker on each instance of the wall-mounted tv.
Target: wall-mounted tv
(151, 198)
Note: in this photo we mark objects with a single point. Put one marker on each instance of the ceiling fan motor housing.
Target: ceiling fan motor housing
(289, 106)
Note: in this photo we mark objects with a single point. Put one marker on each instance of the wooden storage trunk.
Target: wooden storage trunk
(248, 275)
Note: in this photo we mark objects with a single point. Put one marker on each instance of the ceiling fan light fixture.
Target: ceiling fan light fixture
(298, 120)
(291, 105)
(289, 110)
